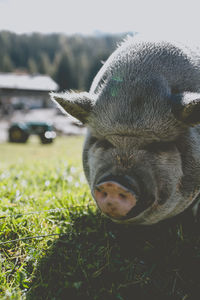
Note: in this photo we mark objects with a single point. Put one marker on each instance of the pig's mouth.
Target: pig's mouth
(121, 197)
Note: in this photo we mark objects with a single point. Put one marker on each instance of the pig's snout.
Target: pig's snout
(114, 199)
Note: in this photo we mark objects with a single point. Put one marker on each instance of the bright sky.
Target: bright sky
(173, 18)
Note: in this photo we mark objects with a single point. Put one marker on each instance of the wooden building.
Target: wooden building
(25, 91)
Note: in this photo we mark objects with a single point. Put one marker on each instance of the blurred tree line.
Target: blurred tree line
(72, 61)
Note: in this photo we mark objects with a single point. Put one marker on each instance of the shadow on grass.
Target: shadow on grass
(100, 260)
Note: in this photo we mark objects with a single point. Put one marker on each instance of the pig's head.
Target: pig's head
(135, 156)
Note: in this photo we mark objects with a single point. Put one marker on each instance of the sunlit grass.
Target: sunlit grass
(38, 185)
(67, 149)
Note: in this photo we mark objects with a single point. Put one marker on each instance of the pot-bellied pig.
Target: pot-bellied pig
(141, 155)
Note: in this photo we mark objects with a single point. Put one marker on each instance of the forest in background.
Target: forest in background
(72, 61)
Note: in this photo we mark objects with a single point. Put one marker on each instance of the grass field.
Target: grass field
(55, 244)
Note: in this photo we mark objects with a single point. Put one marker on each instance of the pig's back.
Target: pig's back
(134, 60)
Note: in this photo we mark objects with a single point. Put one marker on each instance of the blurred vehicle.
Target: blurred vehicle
(20, 132)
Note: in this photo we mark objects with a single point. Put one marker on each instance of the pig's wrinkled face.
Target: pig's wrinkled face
(132, 184)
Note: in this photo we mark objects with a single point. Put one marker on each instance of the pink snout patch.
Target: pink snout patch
(114, 199)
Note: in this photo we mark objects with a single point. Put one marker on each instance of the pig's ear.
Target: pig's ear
(186, 107)
(78, 105)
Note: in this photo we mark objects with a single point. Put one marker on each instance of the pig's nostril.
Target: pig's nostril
(122, 196)
(101, 192)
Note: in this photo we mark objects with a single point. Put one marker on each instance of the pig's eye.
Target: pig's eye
(104, 144)
(93, 140)
(160, 146)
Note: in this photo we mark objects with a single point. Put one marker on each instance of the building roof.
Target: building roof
(27, 82)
